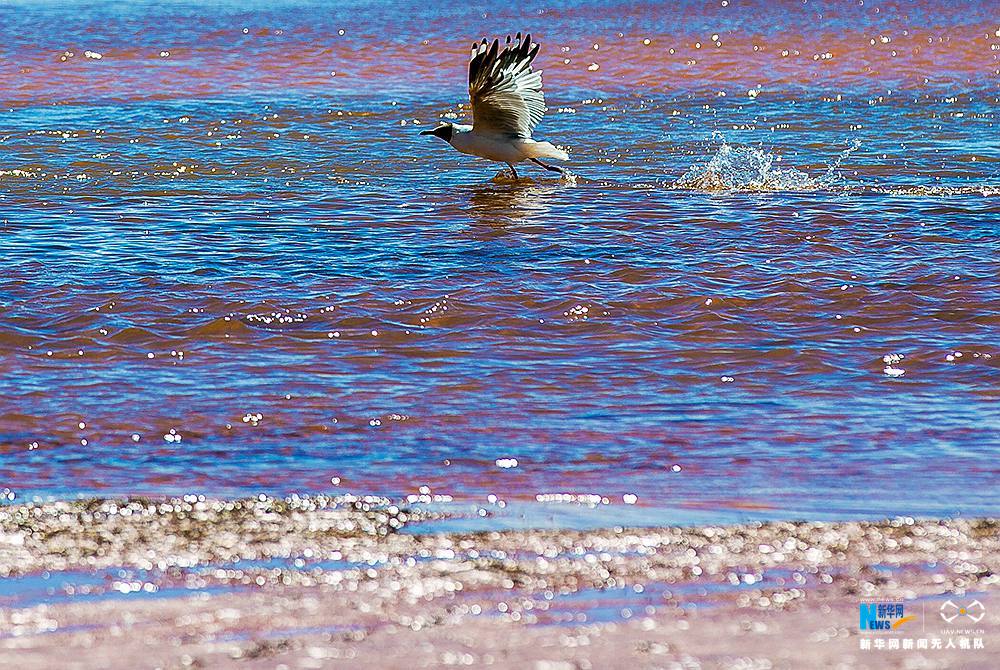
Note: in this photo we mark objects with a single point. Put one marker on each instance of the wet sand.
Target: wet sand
(327, 582)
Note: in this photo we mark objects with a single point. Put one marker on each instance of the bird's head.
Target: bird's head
(444, 130)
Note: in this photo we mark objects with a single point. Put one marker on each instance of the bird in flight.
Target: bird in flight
(507, 104)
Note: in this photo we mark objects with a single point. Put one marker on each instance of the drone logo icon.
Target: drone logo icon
(974, 610)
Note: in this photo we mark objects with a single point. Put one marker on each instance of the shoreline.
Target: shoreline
(324, 582)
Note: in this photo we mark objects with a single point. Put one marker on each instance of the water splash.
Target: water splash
(754, 170)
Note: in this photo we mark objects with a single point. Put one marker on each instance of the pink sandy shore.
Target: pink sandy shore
(315, 628)
(333, 585)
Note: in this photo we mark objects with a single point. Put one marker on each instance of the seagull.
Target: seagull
(507, 104)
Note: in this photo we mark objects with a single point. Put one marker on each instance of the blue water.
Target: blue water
(230, 243)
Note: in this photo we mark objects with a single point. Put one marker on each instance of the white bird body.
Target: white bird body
(507, 104)
(499, 147)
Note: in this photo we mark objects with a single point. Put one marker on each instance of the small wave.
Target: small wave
(24, 174)
(754, 170)
(985, 190)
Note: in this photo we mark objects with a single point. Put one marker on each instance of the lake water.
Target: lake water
(229, 264)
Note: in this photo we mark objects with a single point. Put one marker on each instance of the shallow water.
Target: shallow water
(227, 271)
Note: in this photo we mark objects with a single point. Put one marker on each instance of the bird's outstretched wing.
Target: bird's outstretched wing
(506, 94)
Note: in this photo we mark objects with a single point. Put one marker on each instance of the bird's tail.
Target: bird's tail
(545, 150)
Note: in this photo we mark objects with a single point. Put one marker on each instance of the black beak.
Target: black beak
(426, 132)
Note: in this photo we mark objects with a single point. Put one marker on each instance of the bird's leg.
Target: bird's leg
(512, 170)
(550, 168)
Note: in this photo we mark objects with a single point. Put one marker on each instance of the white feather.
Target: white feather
(506, 94)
